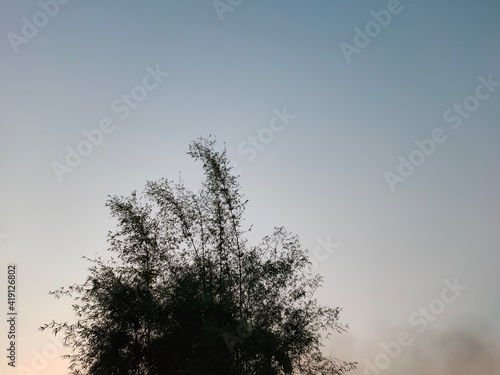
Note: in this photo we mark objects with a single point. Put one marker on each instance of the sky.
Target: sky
(371, 125)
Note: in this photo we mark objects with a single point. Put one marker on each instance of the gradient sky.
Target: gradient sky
(322, 176)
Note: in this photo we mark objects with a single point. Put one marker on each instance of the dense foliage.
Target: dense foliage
(185, 293)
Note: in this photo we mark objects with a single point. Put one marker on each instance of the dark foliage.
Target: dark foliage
(186, 294)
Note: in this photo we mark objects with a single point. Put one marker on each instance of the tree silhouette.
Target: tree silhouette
(186, 294)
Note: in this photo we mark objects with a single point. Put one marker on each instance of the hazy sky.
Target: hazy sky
(371, 124)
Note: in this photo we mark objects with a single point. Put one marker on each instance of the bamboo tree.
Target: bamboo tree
(184, 278)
